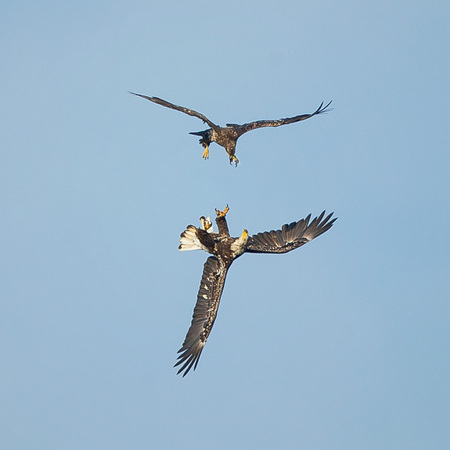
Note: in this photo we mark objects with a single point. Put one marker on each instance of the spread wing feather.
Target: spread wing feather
(241, 129)
(290, 236)
(205, 312)
(182, 109)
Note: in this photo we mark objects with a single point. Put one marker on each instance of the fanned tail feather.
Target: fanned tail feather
(189, 240)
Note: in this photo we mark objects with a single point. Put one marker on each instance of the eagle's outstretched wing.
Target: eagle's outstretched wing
(241, 129)
(290, 236)
(167, 104)
(205, 312)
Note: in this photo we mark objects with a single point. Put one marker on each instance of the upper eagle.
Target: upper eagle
(227, 136)
(225, 249)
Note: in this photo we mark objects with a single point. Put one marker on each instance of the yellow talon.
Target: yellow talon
(222, 213)
(206, 153)
(234, 160)
(206, 223)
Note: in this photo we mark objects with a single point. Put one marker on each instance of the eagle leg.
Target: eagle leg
(206, 152)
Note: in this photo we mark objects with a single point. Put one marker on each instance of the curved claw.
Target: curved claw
(222, 213)
(234, 160)
(206, 223)
(206, 153)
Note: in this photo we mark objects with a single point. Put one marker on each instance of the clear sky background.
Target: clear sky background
(342, 344)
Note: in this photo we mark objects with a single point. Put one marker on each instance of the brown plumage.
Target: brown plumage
(225, 249)
(227, 136)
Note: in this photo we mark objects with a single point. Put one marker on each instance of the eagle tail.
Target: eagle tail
(189, 240)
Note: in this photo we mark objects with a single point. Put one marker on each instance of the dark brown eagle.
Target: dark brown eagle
(227, 136)
(225, 250)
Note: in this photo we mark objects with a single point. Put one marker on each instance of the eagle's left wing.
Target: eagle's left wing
(290, 236)
(182, 109)
(241, 129)
(205, 312)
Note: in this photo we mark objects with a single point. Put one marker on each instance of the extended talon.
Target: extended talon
(206, 152)
(222, 213)
(234, 160)
(206, 223)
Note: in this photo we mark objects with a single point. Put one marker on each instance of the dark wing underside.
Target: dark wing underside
(290, 236)
(241, 129)
(205, 312)
(188, 111)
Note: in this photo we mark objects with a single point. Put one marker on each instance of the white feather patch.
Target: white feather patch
(189, 240)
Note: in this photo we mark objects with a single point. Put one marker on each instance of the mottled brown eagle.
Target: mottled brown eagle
(227, 136)
(225, 249)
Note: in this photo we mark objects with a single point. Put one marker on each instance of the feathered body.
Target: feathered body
(225, 249)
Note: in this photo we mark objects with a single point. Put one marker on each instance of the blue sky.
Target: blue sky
(343, 344)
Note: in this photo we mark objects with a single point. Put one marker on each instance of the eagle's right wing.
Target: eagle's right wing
(205, 312)
(290, 236)
(241, 129)
(188, 111)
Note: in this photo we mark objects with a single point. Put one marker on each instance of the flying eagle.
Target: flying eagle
(227, 136)
(225, 249)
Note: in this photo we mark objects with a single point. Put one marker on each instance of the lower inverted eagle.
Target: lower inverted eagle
(225, 249)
